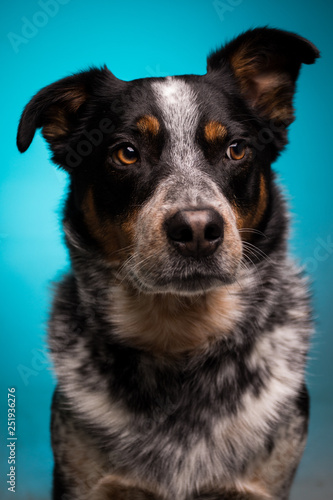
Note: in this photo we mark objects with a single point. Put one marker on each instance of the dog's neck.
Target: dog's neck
(173, 324)
(164, 324)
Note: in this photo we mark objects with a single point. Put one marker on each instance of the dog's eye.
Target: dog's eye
(125, 155)
(236, 151)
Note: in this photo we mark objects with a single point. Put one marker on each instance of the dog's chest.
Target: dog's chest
(188, 431)
(182, 426)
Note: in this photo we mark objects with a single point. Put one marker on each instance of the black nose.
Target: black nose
(195, 233)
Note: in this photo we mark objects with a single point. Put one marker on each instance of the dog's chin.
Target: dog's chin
(195, 284)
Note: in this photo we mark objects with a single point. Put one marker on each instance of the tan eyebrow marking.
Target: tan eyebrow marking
(148, 124)
(215, 131)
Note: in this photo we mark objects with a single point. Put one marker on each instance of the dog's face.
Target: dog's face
(171, 180)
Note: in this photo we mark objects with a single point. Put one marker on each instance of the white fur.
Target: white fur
(177, 101)
(95, 405)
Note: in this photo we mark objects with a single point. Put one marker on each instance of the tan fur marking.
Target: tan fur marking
(243, 65)
(255, 488)
(267, 89)
(57, 125)
(215, 131)
(167, 323)
(57, 121)
(252, 218)
(84, 463)
(74, 98)
(272, 472)
(148, 125)
(91, 474)
(252, 77)
(113, 238)
(240, 491)
(115, 487)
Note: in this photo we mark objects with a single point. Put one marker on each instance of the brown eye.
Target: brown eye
(126, 155)
(236, 151)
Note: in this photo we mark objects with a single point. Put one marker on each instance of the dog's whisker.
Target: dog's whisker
(251, 230)
(138, 264)
(256, 251)
(122, 250)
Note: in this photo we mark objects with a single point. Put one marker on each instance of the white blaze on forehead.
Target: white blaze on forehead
(177, 102)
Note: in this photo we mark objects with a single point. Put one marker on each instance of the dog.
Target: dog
(179, 338)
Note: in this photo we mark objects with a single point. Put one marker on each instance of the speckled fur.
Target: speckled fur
(178, 378)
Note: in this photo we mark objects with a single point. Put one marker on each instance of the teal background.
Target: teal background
(140, 39)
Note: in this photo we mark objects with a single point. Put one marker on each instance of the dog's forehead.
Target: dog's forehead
(182, 105)
(177, 102)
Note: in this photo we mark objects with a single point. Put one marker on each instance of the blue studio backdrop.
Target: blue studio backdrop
(44, 40)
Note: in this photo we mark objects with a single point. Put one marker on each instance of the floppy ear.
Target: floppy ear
(266, 63)
(56, 107)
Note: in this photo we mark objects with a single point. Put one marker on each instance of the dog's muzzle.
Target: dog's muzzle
(186, 239)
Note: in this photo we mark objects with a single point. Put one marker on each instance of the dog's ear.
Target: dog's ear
(266, 63)
(56, 107)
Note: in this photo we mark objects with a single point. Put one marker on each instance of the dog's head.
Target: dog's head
(170, 177)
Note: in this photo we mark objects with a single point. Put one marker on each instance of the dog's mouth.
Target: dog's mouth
(192, 284)
(180, 276)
